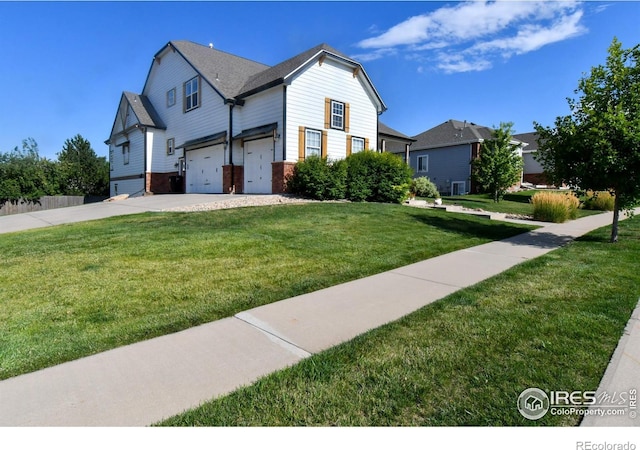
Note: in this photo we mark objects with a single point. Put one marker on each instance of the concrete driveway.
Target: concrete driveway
(101, 210)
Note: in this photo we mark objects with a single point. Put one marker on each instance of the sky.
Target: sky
(64, 65)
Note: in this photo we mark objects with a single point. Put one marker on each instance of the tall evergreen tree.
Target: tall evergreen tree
(83, 172)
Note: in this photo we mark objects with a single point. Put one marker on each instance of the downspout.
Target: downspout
(144, 171)
(283, 133)
(230, 145)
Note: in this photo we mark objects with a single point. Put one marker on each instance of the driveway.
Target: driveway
(101, 210)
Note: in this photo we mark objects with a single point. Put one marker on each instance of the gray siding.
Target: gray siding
(446, 165)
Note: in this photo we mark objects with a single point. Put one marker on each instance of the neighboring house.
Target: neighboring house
(533, 170)
(211, 122)
(392, 141)
(444, 153)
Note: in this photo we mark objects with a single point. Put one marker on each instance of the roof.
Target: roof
(529, 138)
(225, 72)
(234, 77)
(386, 130)
(276, 74)
(452, 132)
(144, 110)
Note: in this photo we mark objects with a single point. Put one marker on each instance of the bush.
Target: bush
(377, 177)
(364, 176)
(555, 207)
(319, 179)
(599, 201)
(423, 187)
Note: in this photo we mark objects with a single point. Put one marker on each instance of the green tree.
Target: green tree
(82, 171)
(498, 165)
(25, 176)
(597, 146)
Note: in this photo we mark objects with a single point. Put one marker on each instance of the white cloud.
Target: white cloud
(493, 29)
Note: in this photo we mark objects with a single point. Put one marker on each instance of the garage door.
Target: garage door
(258, 156)
(204, 170)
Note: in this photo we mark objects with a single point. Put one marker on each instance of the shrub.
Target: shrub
(319, 179)
(377, 177)
(555, 207)
(600, 201)
(423, 187)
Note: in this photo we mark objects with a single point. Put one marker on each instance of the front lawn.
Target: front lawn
(74, 290)
(512, 203)
(551, 323)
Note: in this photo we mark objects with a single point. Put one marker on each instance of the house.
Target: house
(444, 154)
(393, 141)
(533, 170)
(211, 122)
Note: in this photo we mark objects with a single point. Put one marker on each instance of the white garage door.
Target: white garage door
(258, 156)
(204, 170)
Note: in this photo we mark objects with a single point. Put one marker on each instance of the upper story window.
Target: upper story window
(313, 143)
(337, 115)
(125, 153)
(171, 144)
(357, 144)
(171, 97)
(423, 163)
(192, 94)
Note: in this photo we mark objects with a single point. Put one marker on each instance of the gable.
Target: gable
(135, 111)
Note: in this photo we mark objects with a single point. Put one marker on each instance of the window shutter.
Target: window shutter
(323, 150)
(348, 144)
(346, 117)
(301, 143)
(327, 112)
(366, 143)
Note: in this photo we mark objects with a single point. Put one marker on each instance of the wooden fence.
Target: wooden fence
(49, 202)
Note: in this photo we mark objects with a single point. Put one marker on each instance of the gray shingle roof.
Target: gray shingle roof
(530, 138)
(144, 110)
(451, 132)
(227, 73)
(275, 75)
(388, 131)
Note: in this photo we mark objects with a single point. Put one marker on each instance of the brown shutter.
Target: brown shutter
(366, 143)
(323, 149)
(327, 112)
(301, 143)
(348, 144)
(346, 117)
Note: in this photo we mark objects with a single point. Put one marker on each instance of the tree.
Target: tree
(498, 165)
(82, 171)
(597, 146)
(25, 176)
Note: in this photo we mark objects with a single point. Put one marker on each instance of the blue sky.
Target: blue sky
(64, 65)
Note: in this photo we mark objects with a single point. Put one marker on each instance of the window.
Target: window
(423, 163)
(357, 144)
(191, 97)
(337, 115)
(171, 97)
(313, 143)
(111, 153)
(171, 144)
(125, 153)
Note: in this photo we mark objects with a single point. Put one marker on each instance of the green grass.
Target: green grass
(513, 203)
(75, 290)
(550, 323)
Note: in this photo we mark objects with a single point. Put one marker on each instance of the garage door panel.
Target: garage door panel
(257, 166)
(204, 170)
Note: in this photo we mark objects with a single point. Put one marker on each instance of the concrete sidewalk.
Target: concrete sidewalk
(143, 383)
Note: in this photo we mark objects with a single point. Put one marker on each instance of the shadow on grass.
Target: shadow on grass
(471, 226)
